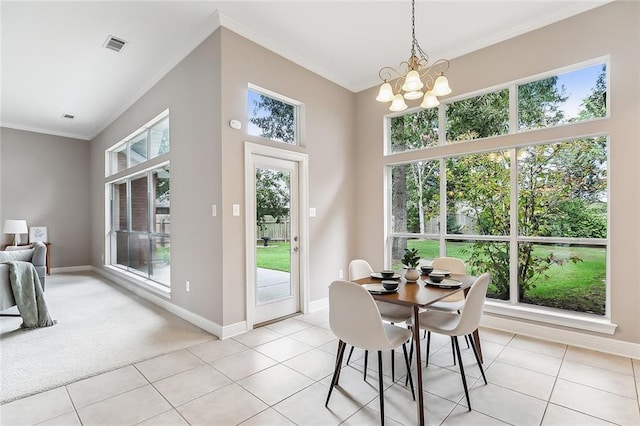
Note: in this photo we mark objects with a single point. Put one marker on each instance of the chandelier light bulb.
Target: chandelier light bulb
(416, 94)
(441, 86)
(430, 100)
(412, 82)
(386, 93)
(398, 104)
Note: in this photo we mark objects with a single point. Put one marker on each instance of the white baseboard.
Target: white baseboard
(568, 337)
(64, 269)
(318, 305)
(197, 320)
(233, 329)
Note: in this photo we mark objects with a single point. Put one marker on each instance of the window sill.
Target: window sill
(135, 280)
(576, 320)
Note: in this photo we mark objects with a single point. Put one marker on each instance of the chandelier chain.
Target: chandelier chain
(414, 41)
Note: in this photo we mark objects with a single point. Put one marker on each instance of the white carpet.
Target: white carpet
(100, 327)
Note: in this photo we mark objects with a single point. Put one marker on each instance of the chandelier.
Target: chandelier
(413, 76)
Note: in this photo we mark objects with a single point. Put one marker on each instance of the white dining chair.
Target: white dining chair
(463, 324)
(453, 303)
(360, 268)
(355, 319)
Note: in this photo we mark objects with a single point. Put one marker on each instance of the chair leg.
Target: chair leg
(366, 362)
(426, 358)
(350, 353)
(454, 341)
(393, 365)
(380, 384)
(336, 372)
(453, 353)
(475, 353)
(409, 377)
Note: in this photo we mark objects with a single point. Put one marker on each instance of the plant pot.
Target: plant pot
(412, 275)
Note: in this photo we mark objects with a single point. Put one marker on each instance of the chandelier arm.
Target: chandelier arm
(437, 68)
(388, 73)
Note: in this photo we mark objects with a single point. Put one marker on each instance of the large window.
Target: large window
(532, 214)
(139, 205)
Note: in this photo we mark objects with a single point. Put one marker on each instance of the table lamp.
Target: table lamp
(15, 227)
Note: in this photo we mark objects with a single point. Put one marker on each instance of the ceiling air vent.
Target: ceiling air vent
(114, 43)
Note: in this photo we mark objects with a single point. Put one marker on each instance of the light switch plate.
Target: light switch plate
(236, 209)
(214, 210)
(312, 212)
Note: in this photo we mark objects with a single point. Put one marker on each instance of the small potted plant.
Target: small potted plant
(410, 260)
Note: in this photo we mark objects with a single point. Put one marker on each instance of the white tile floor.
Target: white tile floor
(279, 375)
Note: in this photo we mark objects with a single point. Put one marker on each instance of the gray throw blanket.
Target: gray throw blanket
(29, 296)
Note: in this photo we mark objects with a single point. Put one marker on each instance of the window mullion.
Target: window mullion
(513, 228)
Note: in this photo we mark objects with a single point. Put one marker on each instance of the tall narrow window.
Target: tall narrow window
(140, 205)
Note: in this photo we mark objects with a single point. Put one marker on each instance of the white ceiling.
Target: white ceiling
(53, 62)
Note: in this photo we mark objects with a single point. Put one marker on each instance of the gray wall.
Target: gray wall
(203, 93)
(609, 30)
(45, 180)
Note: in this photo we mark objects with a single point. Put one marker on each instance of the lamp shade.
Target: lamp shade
(12, 226)
(412, 82)
(398, 104)
(430, 100)
(385, 94)
(441, 86)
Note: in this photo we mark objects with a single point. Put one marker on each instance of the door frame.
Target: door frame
(302, 159)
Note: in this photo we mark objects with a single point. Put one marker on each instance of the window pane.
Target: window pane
(485, 256)
(271, 118)
(563, 276)
(478, 117)
(161, 260)
(139, 254)
(139, 204)
(161, 201)
(414, 131)
(415, 197)
(122, 249)
(159, 138)
(573, 96)
(138, 149)
(478, 194)
(428, 248)
(118, 158)
(563, 189)
(119, 207)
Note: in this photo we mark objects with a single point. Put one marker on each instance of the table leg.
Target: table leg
(476, 341)
(416, 343)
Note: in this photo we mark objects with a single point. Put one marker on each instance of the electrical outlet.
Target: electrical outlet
(187, 286)
(340, 273)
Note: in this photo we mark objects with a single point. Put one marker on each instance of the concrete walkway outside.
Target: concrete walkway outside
(272, 284)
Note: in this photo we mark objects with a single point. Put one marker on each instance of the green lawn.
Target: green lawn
(275, 256)
(573, 286)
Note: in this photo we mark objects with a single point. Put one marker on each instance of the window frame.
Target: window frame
(111, 167)
(298, 115)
